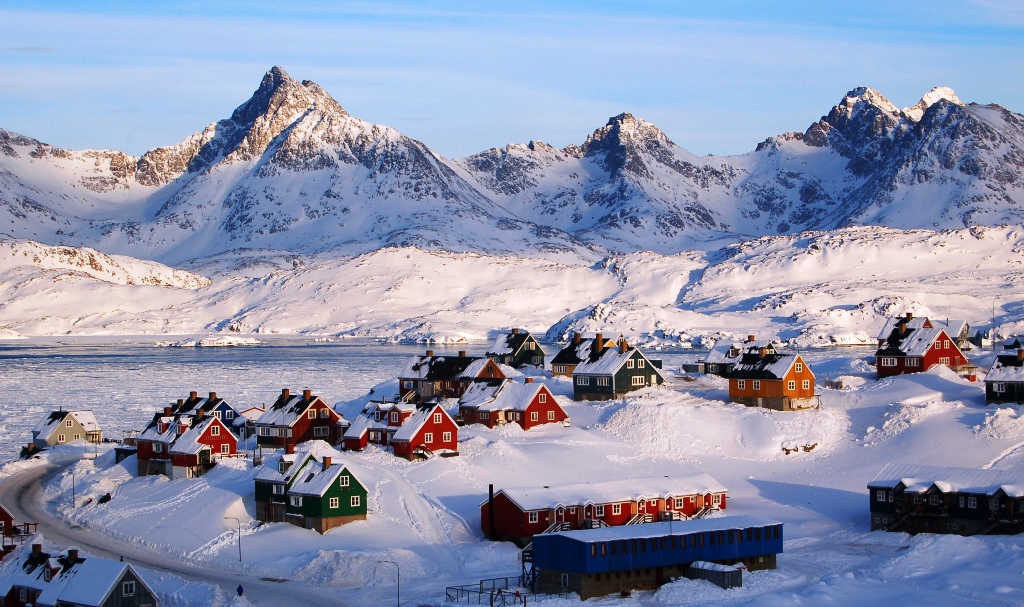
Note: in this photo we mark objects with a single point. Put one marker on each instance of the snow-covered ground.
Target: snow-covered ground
(425, 515)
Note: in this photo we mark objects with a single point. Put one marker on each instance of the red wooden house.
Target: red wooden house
(154, 443)
(765, 377)
(199, 446)
(528, 404)
(432, 377)
(293, 419)
(518, 514)
(377, 424)
(427, 431)
(913, 347)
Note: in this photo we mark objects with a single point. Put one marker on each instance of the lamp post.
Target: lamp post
(239, 535)
(72, 490)
(398, 598)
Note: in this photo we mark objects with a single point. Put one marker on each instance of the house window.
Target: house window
(266, 431)
(229, 414)
(214, 430)
(157, 447)
(807, 384)
(285, 432)
(343, 480)
(534, 517)
(741, 384)
(551, 416)
(961, 501)
(407, 384)
(791, 384)
(78, 436)
(216, 414)
(933, 499)
(887, 362)
(311, 414)
(638, 380)
(321, 431)
(60, 438)
(334, 503)
(716, 499)
(23, 594)
(325, 412)
(68, 423)
(616, 508)
(485, 415)
(944, 360)
(582, 380)
(945, 343)
(999, 387)
(533, 416)
(679, 502)
(128, 588)
(880, 496)
(604, 381)
(640, 363)
(542, 398)
(756, 384)
(799, 368)
(277, 489)
(437, 418)
(912, 362)
(972, 502)
(530, 345)
(394, 416)
(446, 437)
(225, 448)
(993, 504)
(428, 437)
(354, 501)
(630, 364)
(46, 574)
(296, 501)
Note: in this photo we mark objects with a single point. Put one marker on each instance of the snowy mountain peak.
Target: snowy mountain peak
(862, 97)
(931, 98)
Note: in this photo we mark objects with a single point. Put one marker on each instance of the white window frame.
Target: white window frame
(128, 588)
(394, 416)
(225, 448)
(640, 363)
(582, 380)
(807, 384)
(428, 437)
(630, 364)
(912, 362)
(277, 489)
(639, 380)
(446, 437)
(60, 438)
(296, 501)
(533, 517)
(533, 416)
(551, 416)
(755, 384)
(604, 381)
(343, 480)
(616, 509)
(944, 360)
(887, 361)
(799, 367)
(321, 431)
(542, 398)
(437, 418)
(599, 510)
(972, 502)
(68, 423)
(333, 503)
(355, 501)
(407, 384)
(214, 430)
(791, 384)
(325, 412)
(880, 495)
(741, 384)
(999, 387)
(311, 414)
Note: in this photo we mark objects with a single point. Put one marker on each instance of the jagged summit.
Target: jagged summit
(929, 99)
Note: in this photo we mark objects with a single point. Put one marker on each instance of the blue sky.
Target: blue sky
(462, 77)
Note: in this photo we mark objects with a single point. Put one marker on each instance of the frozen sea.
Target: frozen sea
(124, 380)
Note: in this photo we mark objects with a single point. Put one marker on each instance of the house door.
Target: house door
(559, 515)
(659, 576)
(654, 380)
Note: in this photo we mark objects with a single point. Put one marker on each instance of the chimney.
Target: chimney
(430, 352)
(762, 352)
(289, 449)
(910, 316)
(490, 507)
(903, 328)
(623, 346)
(285, 394)
(37, 549)
(598, 343)
(462, 354)
(529, 380)
(193, 394)
(306, 394)
(327, 462)
(1020, 354)
(515, 330)
(72, 555)
(181, 401)
(576, 339)
(213, 396)
(167, 411)
(751, 338)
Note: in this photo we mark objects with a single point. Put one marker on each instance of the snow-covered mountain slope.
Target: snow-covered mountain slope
(292, 171)
(816, 288)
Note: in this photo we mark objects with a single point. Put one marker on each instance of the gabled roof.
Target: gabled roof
(912, 342)
(416, 421)
(445, 368)
(511, 343)
(919, 479)
(189, 441)
(313, 479)
(54, 419)
(1006, 368)
(609, 361)
(89, 582)
(575, 353)
(287, 409)
(774, 365)
(920, 322)
(509, 395)
(628, 490)
(153, 433)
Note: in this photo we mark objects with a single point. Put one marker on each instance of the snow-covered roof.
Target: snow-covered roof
(86, 583)
(153, 433)
(54, 419)
(509, 395)
(314, 449)
(919, 479)
(287, 409)
(724, 352)
(362, 423)
(510, 343)
(609, 492)
(892, 322)
(440, 368)
(668, 528)
(912, 343)
(189, 441)
(1006, 368)
(416, 421)
(773, 365)
(575, 353)
(314, 479)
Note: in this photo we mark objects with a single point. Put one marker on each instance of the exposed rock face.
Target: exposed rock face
(292, 170)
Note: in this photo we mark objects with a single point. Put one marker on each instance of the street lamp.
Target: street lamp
(239, 535)
(72, 490)
(398, 599)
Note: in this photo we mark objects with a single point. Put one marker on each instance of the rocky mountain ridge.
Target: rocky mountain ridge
(291, 170)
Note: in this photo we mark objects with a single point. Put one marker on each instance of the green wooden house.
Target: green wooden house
(324, 495)
(516, 349)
